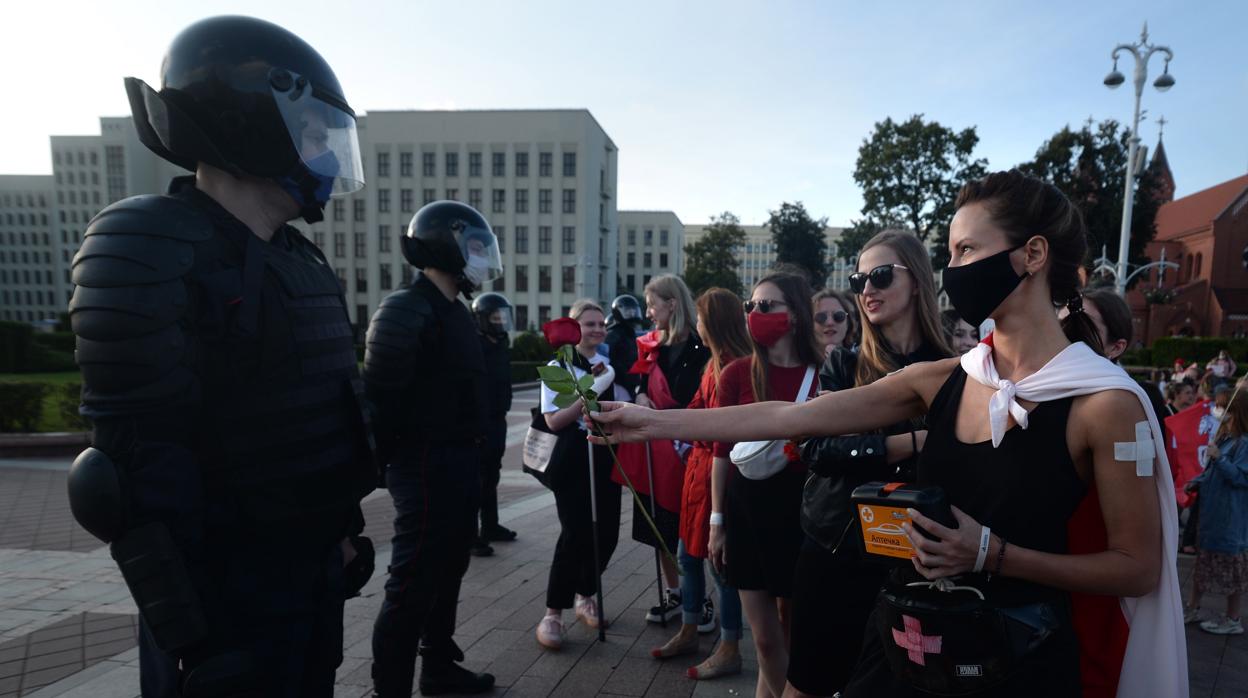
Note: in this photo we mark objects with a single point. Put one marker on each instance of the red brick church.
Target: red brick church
(1206, 234)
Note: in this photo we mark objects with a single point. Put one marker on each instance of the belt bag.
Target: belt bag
(759, 460)
(954, 643)
(545, 451)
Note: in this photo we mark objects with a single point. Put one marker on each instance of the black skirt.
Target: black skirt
(763, 531)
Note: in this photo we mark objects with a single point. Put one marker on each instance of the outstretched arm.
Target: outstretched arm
(891, 399)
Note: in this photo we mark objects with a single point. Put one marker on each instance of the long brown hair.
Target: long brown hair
(1115, 313)
(797, 294)
(726, 335)
(876, 357)
(1023, 207)
(1235, 422)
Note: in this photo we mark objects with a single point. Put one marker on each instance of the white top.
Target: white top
(548, 395)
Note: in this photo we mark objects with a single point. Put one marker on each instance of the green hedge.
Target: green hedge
(22, 350)
(525, 371)
(55, 341)
(15, 346)
(531, 346)
(1200, 349)
(21, 406)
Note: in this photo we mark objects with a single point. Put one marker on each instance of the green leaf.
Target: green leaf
(565, 354)
(586, 382)
(563, 400)
(556, 378)
(591, 404)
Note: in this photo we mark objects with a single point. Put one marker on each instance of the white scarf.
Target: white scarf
(1156, 657)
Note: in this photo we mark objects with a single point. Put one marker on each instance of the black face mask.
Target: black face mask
(979, 288)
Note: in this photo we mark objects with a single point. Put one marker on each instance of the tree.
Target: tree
(799, 240)
(910, 172)
(711, 260)
(857, 234)
(1089, 166)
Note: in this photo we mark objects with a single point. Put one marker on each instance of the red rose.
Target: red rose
(562, 331)
(792, 452)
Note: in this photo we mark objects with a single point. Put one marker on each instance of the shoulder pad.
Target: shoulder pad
(129, 299)
(394, 336)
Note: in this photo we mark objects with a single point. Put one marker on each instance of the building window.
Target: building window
(498, 164)
(522, 164)
(361, 245)
(522, 239)
(428, 165)
(339, 210)
(452, 164)
(649, 238)
(405, 164)
(405, 271)
(569, 164)
(500, 232)
(383, 239)
(632, 236)
(383, 200)
(543, 314)
(498, 202)
(569, 201)
(544, 164)
(340, 244)
(361, 283)
(383, 164)
(632, 260)
(569, 279)
(318, 238)
(474, 198)
(522, 317)
(569, 240)
(406, 205)
(474, 164)
(357, 210)
(428, 196)
(663, 237)
(543, 278)
(452, 194)
(543, 201)
(385, 282)
(522, 277)
(663, 259)
(543, 239)
(522, 201)
(647, 260)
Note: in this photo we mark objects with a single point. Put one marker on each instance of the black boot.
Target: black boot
(480, 548)
(440, 677)
(497, 534)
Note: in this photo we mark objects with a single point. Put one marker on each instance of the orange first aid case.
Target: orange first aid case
(881, 509)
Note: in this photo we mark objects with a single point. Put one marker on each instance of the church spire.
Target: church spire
(1160, 167)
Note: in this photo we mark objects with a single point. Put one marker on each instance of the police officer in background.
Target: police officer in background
(622, 345)
(230, 451)
(493, 314)
(425, 374)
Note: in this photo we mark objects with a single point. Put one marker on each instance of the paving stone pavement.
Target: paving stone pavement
(66, 591)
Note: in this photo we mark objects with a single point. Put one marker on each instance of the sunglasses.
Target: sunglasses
(880, 277)
(837, 316)
(763, 306)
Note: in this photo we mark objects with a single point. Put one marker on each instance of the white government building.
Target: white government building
(545, 179)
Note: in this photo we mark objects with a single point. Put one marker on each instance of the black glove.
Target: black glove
(357, 572)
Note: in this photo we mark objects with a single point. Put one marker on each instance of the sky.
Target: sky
(714, 105)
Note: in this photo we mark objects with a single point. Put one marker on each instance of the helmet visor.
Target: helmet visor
(480, 250)
(322, 130)
(497, 321)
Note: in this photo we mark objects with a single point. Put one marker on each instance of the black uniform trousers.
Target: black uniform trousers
(436, 488)
(492, 469)
(572, 570)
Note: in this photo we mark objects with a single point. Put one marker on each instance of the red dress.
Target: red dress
(695, 494)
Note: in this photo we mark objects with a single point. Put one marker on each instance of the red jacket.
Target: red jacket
(695, 495)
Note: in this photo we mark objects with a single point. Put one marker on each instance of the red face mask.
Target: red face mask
(768, 328)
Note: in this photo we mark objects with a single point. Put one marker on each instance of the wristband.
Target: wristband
(717, 518)
(985, 536)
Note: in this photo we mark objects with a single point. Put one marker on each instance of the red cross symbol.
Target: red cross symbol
(914, 641)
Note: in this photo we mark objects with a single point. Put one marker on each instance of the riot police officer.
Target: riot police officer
(425, 373)
(622, 344)
(493, 314)
(230, 451)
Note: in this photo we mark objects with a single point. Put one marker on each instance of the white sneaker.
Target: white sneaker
(1225, 626)
(587, 610)
(706, 623)
(669, 609)
(550, 632)
(1192, 614)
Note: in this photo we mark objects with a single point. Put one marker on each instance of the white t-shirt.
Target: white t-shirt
(548, 395)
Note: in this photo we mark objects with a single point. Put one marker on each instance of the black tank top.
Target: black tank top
(1026, 489)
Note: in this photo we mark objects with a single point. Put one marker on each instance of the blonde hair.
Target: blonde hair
(582, 305)
(670, 287)
(875, 356)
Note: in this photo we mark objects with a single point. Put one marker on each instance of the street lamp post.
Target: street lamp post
(1141, 51)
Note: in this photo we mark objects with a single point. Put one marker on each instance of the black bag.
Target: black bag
(953, 643)
(546, 452)
(827, 514)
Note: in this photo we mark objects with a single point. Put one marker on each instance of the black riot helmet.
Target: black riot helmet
(250, 97)
(494, 314)
(626, 308)
(453, 238)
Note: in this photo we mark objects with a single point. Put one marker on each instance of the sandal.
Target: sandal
(710, 669)
(675, 648)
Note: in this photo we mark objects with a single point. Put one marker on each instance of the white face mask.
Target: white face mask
(476, 270)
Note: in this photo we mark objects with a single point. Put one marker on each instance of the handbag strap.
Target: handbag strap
(804, 391)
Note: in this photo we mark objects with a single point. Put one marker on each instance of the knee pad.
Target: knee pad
(95, 495)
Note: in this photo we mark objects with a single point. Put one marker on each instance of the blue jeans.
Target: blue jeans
(693, 595)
